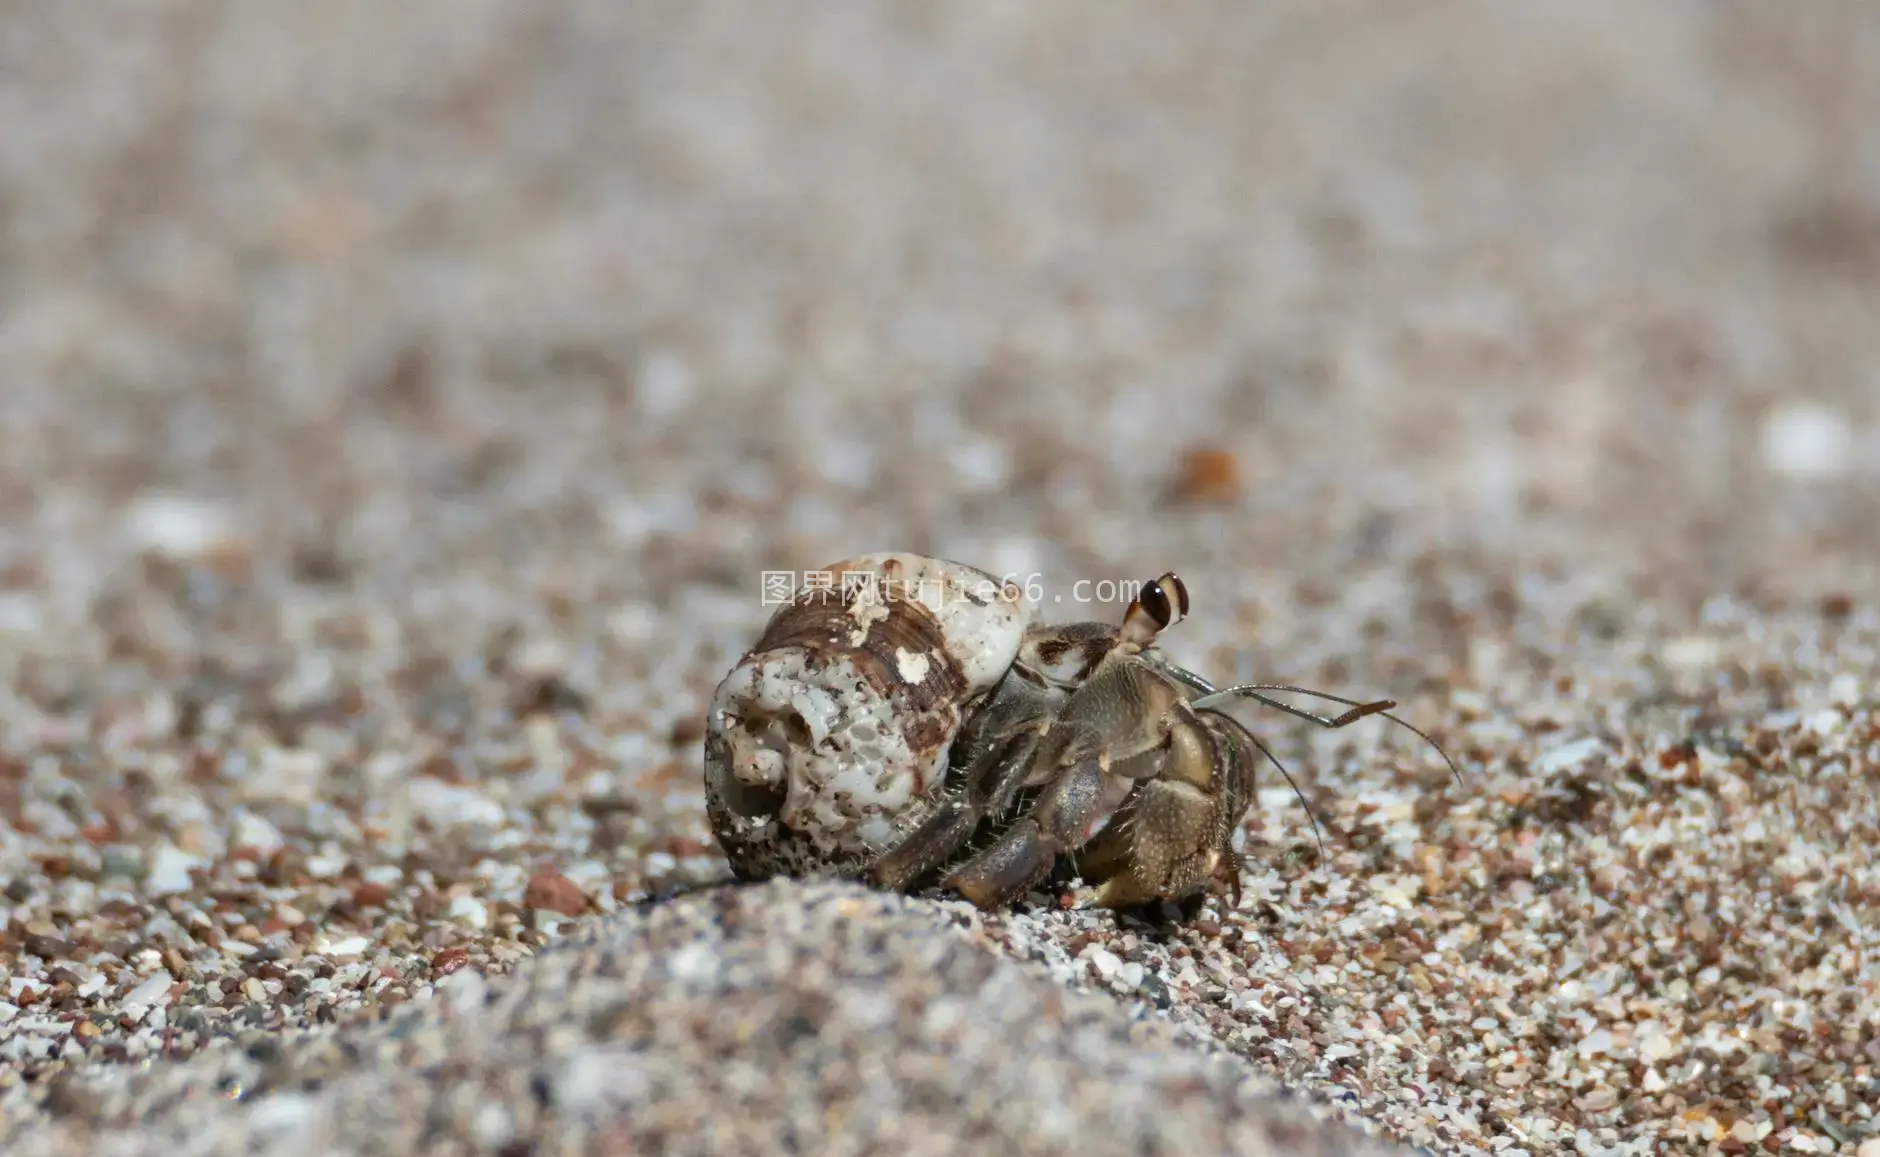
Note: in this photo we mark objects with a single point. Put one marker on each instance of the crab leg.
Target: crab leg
(1023, 855)
(1089, 782)
(990, 785)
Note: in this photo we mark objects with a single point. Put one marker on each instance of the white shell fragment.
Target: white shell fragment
(833, 734)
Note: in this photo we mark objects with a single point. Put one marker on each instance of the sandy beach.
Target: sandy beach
(400, 406)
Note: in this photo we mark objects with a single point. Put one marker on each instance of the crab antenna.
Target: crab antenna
(1317, 833)
(1254, 691)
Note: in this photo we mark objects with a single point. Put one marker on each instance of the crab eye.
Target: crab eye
(1165, 600)
(1155, 601)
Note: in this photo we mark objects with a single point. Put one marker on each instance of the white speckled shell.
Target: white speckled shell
(833, 734)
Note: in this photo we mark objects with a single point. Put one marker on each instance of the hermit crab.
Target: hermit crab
(917, 722)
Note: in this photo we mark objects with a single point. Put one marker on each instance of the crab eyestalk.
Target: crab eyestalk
(1161, 604)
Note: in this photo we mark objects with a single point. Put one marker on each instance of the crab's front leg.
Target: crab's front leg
(1174, 838)
(1061, 819)
(1108, 737)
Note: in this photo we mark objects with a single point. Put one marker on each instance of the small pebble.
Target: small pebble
(469, 911)
(151, 992)
(253, 831)
(124, 861)
(179, 526)
(555, 892)
(1207, 474)
(1806, 440)
(169, 871)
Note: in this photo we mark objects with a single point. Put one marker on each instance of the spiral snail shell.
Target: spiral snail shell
(833, 733)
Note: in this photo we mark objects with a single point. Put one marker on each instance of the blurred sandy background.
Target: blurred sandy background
(425, 286)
